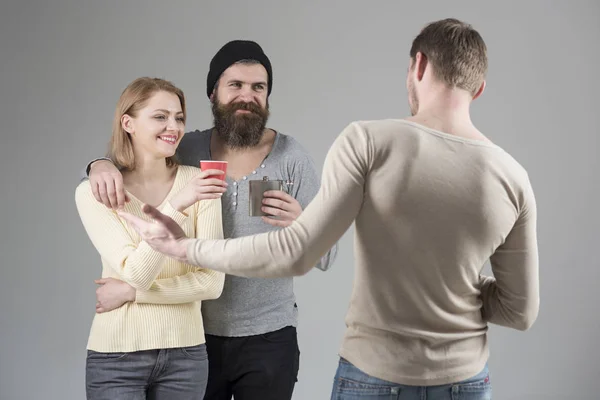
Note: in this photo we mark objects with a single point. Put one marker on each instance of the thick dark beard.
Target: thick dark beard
(240, 131)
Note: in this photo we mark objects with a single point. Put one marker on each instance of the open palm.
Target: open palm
(162, 233)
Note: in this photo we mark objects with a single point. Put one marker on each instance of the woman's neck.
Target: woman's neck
(148, 171)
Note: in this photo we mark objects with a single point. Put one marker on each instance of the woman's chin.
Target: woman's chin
(165, 152)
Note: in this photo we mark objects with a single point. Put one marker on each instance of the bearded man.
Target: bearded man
(250, 330)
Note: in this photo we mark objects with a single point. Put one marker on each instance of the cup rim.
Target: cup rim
(215, 161)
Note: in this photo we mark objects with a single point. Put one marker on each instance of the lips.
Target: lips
(171, 139)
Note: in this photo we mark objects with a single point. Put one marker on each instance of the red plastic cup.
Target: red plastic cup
(211, 164)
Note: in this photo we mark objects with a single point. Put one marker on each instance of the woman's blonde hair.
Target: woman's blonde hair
(132, 100)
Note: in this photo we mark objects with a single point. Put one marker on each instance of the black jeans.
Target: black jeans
(261, 367)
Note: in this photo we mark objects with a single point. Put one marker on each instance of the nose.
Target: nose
(246, 94)
(171, 124)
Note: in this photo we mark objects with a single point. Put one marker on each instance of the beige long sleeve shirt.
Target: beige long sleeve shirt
(429, 210)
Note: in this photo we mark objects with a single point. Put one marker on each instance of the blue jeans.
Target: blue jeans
(166, 374)
(353, 384)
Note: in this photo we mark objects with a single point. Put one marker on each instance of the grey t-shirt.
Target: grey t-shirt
(252, 306)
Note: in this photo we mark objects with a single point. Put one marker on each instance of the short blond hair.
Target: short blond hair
(132, 100)
(456, 51)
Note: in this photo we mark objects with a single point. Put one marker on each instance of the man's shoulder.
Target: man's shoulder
(196, 135)
(512, 167)
(193, 144)
(377, 127)
(290, 147)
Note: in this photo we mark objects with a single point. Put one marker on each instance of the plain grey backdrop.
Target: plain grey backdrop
(64, 64)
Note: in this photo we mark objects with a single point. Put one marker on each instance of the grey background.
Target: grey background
(64, 64)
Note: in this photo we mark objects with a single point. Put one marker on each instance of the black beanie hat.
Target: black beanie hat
(233, 52)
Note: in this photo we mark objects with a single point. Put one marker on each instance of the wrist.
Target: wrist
(176, 205)
(182, 245)
(100, 161)
(131, 294)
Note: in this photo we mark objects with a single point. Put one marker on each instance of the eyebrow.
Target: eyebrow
(166, 111)
(253, 83)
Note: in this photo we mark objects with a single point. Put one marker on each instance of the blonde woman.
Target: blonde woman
(151, 347)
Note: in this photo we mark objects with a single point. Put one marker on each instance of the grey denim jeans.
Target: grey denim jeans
(165, 374)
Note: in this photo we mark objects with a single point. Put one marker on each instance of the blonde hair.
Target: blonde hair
(132, 100)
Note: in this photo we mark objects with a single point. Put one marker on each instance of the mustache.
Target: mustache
(252, 107)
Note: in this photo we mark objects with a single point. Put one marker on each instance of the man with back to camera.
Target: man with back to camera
(251, 333)
(432, 200)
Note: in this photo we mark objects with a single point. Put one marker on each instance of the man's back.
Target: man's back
(435, 208)
(429, 210)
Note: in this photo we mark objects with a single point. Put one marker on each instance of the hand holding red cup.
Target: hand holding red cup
(210, 164)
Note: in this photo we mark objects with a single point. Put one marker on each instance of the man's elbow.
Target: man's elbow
(523, 324)
(301, 271)
(301, 265)
(525, 320)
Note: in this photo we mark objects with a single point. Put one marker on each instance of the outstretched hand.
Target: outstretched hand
(161, 233)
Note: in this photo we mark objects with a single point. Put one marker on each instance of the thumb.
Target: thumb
(133, 220)
(101, 281)
(154, 213)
